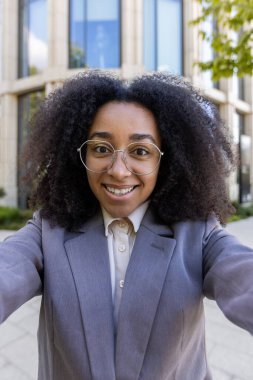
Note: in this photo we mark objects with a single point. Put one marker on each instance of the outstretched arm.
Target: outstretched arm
(228, 275)
(21, 267)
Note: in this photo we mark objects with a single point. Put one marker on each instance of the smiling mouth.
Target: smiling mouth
(119, 192)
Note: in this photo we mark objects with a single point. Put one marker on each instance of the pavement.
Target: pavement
(229, 348)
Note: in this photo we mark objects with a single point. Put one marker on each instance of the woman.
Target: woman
(129, 181)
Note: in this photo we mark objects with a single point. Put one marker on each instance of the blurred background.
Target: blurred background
(43, 42)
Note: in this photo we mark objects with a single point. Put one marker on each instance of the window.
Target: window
(208, 26)
(94, 34)
(33, 47)
(238, 87)
(163, 35)
(238, 82)
(1, 39)
(241, 88)
(244, 149)
(206, 51)
(27, 106)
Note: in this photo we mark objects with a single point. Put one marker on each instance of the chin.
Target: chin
(119, 213)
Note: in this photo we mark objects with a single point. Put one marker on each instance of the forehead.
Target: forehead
(123, 116)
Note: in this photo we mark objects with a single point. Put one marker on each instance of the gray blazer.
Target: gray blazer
(160, 332)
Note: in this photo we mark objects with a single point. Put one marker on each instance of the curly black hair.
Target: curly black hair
(198, 155)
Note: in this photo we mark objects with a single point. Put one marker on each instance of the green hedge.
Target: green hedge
(242, 212)
(13, 218)
(2, 192)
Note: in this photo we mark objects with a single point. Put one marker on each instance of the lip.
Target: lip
(114, 196)
(119, 186)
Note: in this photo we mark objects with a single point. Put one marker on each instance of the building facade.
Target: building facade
(44, 42)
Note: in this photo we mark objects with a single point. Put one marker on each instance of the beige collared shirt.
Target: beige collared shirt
(121, 238)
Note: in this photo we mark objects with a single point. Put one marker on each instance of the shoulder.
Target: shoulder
(50, 229)
(35, 229)
(200, 228)
(186, 232)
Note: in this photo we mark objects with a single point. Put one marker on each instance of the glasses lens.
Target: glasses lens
(97, 155)
(142, 158)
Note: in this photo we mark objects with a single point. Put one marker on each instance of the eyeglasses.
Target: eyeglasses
(140, 158)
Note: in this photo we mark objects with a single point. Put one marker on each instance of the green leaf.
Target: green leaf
(231, 55)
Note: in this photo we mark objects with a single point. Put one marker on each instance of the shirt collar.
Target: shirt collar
(135, 217)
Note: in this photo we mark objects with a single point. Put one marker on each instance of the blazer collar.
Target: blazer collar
(150, 221)
(146, 273)
(154, 224)
(88, 257)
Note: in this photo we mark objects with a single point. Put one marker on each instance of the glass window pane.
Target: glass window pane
(23, 38)
(27, 106)
(236, 129)
(245, 158)
(241, 88)
(243, 143)
(238, 87)
(169, 36)
(77, 34)
(94, 33)
(235, 187)
(33, 47)
(207, 51)
(103, 34)
(209, 26)
(1, 39)
(149, 35)
(238, 83)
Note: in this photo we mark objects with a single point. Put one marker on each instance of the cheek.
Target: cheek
(150, 183)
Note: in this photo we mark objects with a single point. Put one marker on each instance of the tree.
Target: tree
(232, 18)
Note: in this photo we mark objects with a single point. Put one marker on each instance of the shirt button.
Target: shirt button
(122, 224)
(121, 283)
(122, 248)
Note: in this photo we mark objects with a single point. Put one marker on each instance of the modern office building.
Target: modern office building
(43, 42)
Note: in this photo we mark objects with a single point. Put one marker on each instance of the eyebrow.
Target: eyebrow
(133, 137)
(104, 135)
(142, 136)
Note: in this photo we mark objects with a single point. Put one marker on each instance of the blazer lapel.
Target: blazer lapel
(88, 258)
(144, 281)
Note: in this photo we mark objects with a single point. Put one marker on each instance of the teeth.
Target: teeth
(119, 191)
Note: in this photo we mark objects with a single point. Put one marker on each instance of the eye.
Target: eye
(138, 150)
(141, 151)
(102, 149)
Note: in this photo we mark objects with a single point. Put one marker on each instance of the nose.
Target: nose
(118, 169)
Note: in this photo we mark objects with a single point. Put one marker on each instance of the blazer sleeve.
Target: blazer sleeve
(21, 267)
(228, 274)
